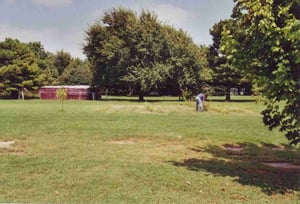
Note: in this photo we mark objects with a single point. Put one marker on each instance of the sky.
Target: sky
(61, 24)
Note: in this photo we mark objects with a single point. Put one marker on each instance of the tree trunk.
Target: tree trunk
(141, 97)
(21, 94)
(227, 94)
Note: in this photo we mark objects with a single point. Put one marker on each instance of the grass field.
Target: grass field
(160, 151)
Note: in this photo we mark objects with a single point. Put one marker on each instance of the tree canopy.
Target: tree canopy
(266, 44)
(140, 54)
(225, 74)
(77, 72)
(18, 67)
(27, 66)
(61, 60)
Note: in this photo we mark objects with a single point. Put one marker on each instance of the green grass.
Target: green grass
(161, 151)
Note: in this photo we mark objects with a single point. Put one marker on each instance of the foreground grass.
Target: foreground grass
(160, 151)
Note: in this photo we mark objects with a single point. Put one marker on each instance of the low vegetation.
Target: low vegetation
(161, 151)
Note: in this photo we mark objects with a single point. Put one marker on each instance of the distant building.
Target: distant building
(81, 92)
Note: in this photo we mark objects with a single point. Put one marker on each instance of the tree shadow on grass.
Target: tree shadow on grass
(246, 163)
(136, 99)
(232, 100)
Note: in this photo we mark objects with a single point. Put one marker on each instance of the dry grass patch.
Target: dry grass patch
(182, 107)
(150, 108)
(230, 108)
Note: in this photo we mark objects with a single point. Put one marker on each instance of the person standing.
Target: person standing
(200, 98)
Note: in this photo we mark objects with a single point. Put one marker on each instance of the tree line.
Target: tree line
(28, 66)
(138, 54)
(127, 54)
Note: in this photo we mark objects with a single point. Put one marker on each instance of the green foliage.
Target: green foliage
(266, 45)
(257, 92)
(187, 95)
(206, 73)
(48, 74)
(25, 66)
(225, 74)
(18, 67)
(188, 61)
(138, 53)
(61, 94)
(61, 60)
(77, 72)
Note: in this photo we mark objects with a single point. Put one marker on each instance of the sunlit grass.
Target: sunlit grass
(122, 151)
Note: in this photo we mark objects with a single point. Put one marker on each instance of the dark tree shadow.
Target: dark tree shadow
(151, 99)
(232, 100)
(246, 163)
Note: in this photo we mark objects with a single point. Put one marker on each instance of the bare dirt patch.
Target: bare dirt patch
(11, 147)
(284, 166)
(234, 147)
(129, 141)
(122, 142)
(6, 144)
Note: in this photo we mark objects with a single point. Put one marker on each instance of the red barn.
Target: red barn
(81, 92)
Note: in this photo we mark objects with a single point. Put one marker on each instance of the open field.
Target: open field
(160, 151)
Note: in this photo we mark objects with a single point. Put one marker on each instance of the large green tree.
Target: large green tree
(77, 72)
(267, 46)
(148, 60)
(138, 53)
(18, 68)
(188, 62)
(61, 60)
(48, 73)
(225, 74)
(109, 44)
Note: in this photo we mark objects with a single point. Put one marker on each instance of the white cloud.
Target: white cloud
(52, 39)
(173, 15)
(52, 3)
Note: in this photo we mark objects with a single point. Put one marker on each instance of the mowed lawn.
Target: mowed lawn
(160, 151)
